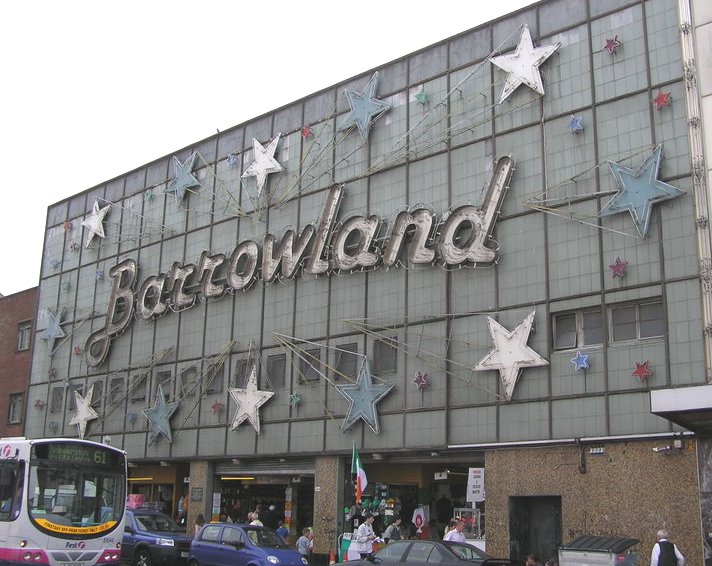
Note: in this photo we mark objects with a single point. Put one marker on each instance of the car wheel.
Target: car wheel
(142, 558)
(193, 562)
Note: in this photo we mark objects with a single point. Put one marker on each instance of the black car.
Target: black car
(431, 552)
(152, 538)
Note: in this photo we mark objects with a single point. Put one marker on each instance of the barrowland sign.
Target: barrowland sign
(458, 238)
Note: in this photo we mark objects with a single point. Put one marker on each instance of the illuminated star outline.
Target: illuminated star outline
(365, 108)
(249, 399)
(580, 361)
(421, 380)
(619, 268)
(159, 416)
(612, 45)
(54, 329)
(662, 99)
(510, 353)
(642, 371)
(576, 124)
(85, 412)
(639, 191)
(184, 178)
(522, 64)
(94, 222)
(264, 162)
(363, 396)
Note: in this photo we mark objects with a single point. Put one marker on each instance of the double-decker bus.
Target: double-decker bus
(62, 502)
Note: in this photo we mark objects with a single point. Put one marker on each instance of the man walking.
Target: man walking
(665, 553)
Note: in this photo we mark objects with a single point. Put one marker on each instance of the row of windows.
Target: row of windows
(626, 322)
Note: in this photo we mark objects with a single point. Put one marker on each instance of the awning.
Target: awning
(689, 407)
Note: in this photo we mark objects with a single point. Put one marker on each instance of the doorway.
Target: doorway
(534, 527)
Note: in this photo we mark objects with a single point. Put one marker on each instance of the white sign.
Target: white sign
(476, 485)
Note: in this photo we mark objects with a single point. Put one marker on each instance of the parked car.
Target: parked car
(152, 538)
(445, 553)
(230, 544)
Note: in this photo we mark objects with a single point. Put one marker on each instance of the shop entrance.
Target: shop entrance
(534, 527)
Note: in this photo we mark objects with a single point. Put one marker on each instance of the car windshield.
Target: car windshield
(265, 538)
(466, 551)
(156, 522)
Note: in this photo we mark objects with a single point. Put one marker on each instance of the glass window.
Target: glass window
(72, 398)
(310, 364)
(578, 329)
(632, 322)
(138, 387)
(652, 320)
(15, 410)
(57, 399)
(188, 381)
(623, 322)
(592, 327)
(215, 378)
(242, 373)
(419, 553)
(210, 533)
(231, 536)
(24, 333)
(565, 331)
(116, 391)
(345, 361)
(276, 370)
(385, 359)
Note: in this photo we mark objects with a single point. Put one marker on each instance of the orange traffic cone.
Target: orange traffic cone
(332, 557)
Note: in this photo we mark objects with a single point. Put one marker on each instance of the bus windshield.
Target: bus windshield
(75, 492)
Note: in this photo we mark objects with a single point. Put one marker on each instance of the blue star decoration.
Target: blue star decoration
(576, 124)
(184, 178)
(365, 108)
(639, 191)
(54, 329)
(580, 361)
(159, 417)
(363, 397)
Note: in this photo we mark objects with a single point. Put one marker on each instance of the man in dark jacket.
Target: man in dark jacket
(665, 553)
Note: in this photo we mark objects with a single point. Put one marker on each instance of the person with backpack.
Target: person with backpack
(666, 553)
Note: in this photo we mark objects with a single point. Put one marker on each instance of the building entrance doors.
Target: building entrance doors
(534, 527)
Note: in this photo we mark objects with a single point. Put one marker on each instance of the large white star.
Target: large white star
(510, 353)
(249, 400)
(85, 412)
(264, 162)
(522, 65)
(94, 221)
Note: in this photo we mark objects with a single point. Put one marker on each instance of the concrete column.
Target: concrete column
(200, 491)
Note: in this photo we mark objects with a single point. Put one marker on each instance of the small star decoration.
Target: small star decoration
(85, 412)
(642, 371)
(249, 400)
(421, 380)
(662, 99)
(421, 97)
(184, 178)
(365, 108)
(522, 65)
(580, 361)
(612, 45)
(576, 124)
(217, 407)
(619, 268)
(232, 159)
(94, 222)
(307, 132)
(363, 396)
(159, 417)
(294, 399)
(264, 162)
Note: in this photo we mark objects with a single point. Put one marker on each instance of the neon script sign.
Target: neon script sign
(416, 237)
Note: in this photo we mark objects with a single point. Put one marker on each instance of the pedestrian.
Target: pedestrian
(365, 537)
(199, 522)
(270, 517)
(305, 544)
(532, 560)
(456, 534)
(393, 531)
(282, 531)
(256, 519)
(665, 553)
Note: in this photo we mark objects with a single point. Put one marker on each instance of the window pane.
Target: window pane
(384, 356)
(24, 332)
(138, 387)
(188, 381)
(242, 373)
(15, 414)
(310, 364)
(652, 322)
(215, 378)
(117, 389)
(57, 398)
(565, 331)
(623, 320)
(276, 370)
(592, 328)
(345, 361)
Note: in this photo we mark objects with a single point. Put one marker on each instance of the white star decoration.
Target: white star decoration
(94, 222)
(159, 417)
(522, 65)
(510, 353)
(84, 413)
(249, 400)
(264, 162)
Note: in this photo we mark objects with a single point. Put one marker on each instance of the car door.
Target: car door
(233, 545)
(128, 541)
(207, 549)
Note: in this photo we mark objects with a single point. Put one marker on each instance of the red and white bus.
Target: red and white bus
(62, 502)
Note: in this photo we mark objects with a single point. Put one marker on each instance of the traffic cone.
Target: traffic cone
(332, 557)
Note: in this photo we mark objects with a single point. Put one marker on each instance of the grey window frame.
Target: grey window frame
(15, 405)
(383, 345)
(24, 335)
(636, 307)
(579, 329)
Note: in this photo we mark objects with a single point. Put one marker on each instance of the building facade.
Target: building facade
(491, 254)
(17, 316)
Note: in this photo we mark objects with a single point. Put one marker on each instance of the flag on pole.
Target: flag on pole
(360, 475)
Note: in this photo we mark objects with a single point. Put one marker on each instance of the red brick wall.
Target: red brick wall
(15, 365)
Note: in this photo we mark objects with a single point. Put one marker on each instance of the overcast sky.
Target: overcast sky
(93, 89)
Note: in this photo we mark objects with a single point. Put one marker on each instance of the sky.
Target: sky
(93, 89)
